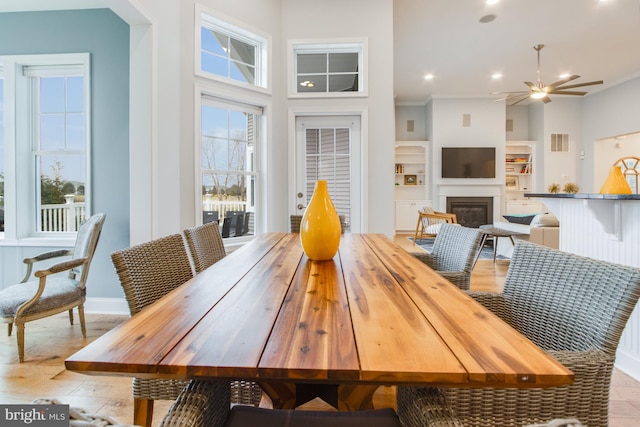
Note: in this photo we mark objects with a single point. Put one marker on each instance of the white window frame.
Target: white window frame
(20, 179)
(213, 98)
(359, 46)
(211, 20)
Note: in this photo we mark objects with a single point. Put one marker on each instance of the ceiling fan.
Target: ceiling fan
(539, 90)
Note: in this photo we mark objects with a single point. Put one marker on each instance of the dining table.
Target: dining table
(373, 315)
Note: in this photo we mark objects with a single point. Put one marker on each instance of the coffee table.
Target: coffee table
(489, 231)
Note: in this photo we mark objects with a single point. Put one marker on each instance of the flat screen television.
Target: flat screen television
(468, 162)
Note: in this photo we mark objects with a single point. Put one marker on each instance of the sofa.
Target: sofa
(542, 228)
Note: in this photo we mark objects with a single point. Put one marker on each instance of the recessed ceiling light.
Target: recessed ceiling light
(487, 18)
(428, 76)
(496, 76)
(564, 75)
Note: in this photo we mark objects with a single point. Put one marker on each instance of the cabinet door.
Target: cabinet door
(523, 207)
(407, 214)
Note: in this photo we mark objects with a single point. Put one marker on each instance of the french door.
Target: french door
(329, 148)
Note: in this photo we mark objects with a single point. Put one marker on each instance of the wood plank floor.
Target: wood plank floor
(50, 341)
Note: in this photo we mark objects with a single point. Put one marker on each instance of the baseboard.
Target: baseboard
(106, 306)
(628, 363)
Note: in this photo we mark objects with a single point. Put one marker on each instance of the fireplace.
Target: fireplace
(472, 212)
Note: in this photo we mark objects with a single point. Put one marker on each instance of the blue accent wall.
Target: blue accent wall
(106, 37)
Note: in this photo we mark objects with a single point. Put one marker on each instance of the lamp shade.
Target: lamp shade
(615, 183)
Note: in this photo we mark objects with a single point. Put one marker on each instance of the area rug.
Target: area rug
(486, 253)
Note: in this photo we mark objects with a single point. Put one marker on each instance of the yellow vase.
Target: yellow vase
(615, 183)
(320, 226)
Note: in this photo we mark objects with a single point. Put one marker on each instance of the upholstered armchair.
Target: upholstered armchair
(574, 308)
(454, 253)
(49, 293)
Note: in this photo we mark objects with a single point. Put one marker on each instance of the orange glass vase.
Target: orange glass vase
(615, 183)
(320, 226)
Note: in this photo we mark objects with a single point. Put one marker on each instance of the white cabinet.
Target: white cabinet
(523, 207)
(411, 182)
(407, 213)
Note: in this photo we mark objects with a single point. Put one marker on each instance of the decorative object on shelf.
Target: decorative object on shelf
(615, 183)
(512, 183)
(554, 188)
(409, 180)
(571, 188)
(320, 227)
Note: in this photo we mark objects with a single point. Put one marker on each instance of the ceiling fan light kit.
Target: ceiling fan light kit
(539, 90)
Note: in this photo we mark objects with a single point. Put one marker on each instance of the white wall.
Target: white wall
(415, 113)
(335, 20)
(487, 129)
(612, 112)
(519, 115)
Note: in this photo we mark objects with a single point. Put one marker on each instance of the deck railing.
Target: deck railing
(65, 217)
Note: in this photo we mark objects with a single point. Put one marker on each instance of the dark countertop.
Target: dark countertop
(585, 196)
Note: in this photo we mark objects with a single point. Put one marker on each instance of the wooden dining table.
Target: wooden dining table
(373, 315)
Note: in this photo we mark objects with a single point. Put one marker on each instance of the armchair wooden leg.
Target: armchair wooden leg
(142, 412)
(20, 336)
(9, 328)
(71, 316)
(83, 327)
(415, 236)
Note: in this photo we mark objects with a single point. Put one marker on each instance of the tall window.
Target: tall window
(1, 151)
(50, 140)
(227, 162)
(230, 52)
(631, 170)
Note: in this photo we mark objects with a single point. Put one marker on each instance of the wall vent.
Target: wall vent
(410, 125)
(559, 142)
(466, 120)
(509, 125)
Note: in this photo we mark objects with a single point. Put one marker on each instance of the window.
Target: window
(229, 133)
(328, 69)
(1, 151)
(229, 52)
(49, 142)
(631, 170)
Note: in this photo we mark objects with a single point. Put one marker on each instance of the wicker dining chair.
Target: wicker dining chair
(205, 245)
(46, 293)
(575, 308)
(454, 253)
(147, 272)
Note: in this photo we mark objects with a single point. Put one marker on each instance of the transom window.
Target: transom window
(328, 69)
(229, 52)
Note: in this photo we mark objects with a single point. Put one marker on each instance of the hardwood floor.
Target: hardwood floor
(50, 341)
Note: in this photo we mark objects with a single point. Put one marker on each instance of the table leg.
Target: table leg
(355, 397)
(142, 412)
(344, 397)
(415, 236)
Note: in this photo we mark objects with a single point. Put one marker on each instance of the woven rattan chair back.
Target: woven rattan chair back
(455, 248)
(205, 245)
(562, 301)
(150, 270)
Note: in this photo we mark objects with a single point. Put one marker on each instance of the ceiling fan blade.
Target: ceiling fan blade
(532, 86)
(563, 81)
(567, 92)
(517, 99)
(597, 82)
(546, 99)
(512, 92)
